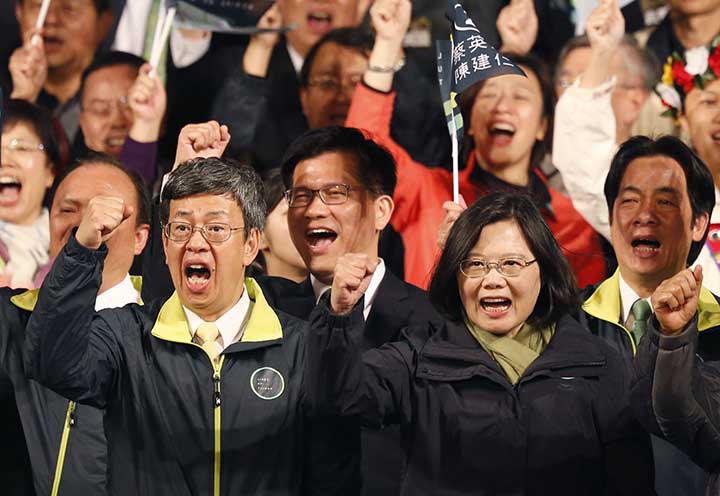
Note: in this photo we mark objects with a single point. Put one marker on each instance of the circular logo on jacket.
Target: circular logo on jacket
(267, 383)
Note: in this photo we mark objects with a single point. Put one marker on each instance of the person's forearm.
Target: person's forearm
(598, 70)
(257, 59)
(57, 345)
(383, 59)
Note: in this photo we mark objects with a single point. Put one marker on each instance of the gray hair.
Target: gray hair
(639, 62)
(221, 177)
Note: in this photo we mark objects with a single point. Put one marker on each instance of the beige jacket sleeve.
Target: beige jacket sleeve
(583, 147)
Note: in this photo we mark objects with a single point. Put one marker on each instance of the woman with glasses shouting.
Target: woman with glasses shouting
(510, 395)
(31, 155)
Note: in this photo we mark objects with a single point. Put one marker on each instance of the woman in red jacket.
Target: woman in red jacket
(508, 122)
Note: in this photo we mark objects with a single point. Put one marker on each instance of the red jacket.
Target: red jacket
(422, 190)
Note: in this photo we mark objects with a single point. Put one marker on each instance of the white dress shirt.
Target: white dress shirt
(118, 296)
(319, 287)
(583, 148)
(231, 324)
(628, 296)
(296, 59)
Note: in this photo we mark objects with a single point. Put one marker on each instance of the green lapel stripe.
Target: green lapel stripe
(708, 310)
(263, 325)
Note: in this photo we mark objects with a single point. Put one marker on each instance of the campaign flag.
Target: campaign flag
(463, 61)
(225, 16)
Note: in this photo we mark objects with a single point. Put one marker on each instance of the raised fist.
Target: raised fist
(102, 217)
(391, 18)
(675, 301)
(208, 139)
(517, 25)
(351, 279)
(28, 68)
(606, 26)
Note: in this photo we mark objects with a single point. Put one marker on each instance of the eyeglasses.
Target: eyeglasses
(104, 108)
(23, 146)
(216, 232)
(507, 266)
(334, 84)
(332, 194)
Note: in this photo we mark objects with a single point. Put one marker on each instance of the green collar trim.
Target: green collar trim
(604, 304)
(263, 325)
(27, 300)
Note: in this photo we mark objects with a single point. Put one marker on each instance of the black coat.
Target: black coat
(265, 114)
(676, 395)
(397, 305)
(675, 472)
(176, 423)
(44, 416)
(565, 429)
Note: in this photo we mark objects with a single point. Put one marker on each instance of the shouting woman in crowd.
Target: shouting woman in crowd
(508, 122)
(30, 156)
(509, 396)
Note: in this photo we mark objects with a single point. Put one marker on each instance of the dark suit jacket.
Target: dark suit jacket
(397, 305)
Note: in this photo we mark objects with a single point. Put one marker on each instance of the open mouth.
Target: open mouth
(197, 277)
(645, 246)
(10, 188)
(52, 43)
(320, 239)
(715, 136)
(319, 22)
(495, 305)
(502, 133)
(115, 141)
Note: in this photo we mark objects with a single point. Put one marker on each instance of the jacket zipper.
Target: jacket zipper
(217, 419)
(69, 424)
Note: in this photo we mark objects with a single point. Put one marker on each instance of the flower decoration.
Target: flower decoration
(681, 74)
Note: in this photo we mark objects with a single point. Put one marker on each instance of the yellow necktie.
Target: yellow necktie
(207, 334)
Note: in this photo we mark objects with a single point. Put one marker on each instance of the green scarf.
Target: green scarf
(516, 354)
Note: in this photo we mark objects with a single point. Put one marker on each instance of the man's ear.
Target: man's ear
(384, 207)
(141, 236)
(637, 97)
(252, 244)
(699, 226)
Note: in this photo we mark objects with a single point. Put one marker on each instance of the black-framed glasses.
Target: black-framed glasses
(214, 232)
(332, 194)
(507, 266)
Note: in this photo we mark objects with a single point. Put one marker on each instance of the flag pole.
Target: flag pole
(161, 40)
(454, 139)
(40, 21)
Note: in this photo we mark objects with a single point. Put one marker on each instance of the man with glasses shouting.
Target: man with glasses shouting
(204, 391)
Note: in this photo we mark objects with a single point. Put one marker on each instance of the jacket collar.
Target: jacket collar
(604, 304)
(263, 325)
(571, 346)
(27, 300)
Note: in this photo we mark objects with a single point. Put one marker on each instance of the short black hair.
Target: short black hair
(110, 59)
(43, 125)
(700, 186)
(374, 163)
(558, 289)
(96, 158)
(274, 189)
(539, 68)
(221, 177)
(358, 38)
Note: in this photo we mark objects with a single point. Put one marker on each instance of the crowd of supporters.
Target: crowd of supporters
(242, 271)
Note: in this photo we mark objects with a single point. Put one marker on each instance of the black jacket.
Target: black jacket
(15, 471)
(176, 424)
(677, 396)
(268, 114)
(397, 305)
(675, 473)
(65, 441)
(565, 429)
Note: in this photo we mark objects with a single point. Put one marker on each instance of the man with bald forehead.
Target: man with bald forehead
(65, 441)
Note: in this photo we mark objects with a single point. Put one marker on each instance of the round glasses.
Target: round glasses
(216, 232)
(507, 266)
